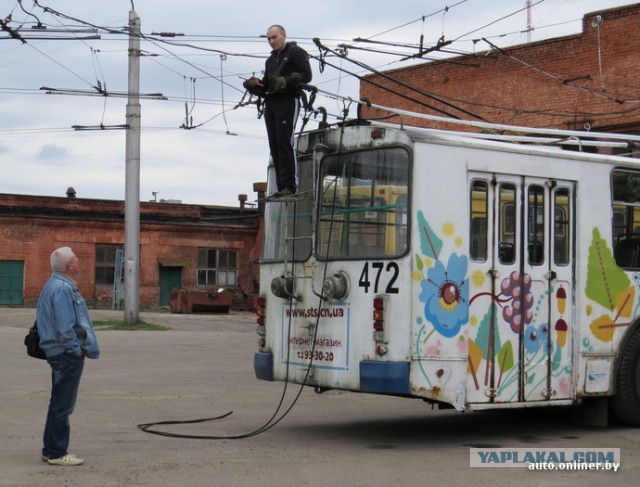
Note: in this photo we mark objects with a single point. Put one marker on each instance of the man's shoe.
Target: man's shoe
(287, 192)
(46, 458)
(67, 460)
(283, 193)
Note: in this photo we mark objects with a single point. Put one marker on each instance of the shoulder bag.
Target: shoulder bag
(32, 342)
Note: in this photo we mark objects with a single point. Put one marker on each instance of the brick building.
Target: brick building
(572, 82)
(181, 246)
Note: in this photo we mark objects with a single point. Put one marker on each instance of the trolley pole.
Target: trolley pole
(132, 179)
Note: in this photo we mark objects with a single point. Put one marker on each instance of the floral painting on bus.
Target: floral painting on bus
(610, 291)
(446, 293)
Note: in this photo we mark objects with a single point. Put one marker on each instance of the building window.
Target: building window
(217, 267)
(106, 263)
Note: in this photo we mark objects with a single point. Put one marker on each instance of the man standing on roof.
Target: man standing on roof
(285, 70)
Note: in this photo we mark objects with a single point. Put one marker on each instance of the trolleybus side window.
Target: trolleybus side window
(535, 244)
(363, 204)
(479, 218)
(562, 214)
(507, 223)
(626, 218)
(535, 226)
(402, 224)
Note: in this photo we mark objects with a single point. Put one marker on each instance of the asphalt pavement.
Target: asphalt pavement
(202, 367)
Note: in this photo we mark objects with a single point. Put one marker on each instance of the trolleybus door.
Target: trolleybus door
(495, 348)
(510, 287)
(536, 289)
(561, 279)
(547, 338)
(534, 272)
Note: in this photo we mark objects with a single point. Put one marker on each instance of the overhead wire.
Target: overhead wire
(596, 24)
(340, 69)
(443, 11)
(223, 58)
(31, 14)
(564, 81)
(500, 19)
(156, 42)
(419, 19)
(394, 80)
(517, 110)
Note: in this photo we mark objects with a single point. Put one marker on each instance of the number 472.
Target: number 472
(391, 274)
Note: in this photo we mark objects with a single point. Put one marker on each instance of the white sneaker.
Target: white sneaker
(67, 460)
(46, 459)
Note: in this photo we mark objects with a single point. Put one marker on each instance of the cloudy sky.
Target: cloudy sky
(197, 145)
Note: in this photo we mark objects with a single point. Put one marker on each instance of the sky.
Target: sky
(198, 144)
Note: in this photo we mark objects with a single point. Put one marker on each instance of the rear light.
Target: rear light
(378, 324)
(261, 313)
(378, 313)
(261, 310)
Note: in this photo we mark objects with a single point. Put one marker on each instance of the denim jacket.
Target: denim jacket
(64, 323)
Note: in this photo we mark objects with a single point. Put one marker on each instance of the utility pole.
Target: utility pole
(132, 179)
(529, 24)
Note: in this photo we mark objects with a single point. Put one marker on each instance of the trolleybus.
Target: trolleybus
(470, 273)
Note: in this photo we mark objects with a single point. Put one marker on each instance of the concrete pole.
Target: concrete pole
(132, 180)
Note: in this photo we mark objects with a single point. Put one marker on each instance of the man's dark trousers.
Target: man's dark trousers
(280, 116)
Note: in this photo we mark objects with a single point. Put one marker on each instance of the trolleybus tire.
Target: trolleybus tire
(626, 403)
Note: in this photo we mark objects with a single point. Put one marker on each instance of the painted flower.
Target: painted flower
(534, 338)
(445, 293)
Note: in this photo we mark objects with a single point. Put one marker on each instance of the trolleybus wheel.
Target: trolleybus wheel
(626, 403)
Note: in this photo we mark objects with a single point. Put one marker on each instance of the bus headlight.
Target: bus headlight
(283, 287)
(336, 286)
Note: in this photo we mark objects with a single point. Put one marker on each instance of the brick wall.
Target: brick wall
(554, 83)
(31, 227)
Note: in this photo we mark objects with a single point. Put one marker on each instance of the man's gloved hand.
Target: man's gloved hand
(251, 82)
(278, 83)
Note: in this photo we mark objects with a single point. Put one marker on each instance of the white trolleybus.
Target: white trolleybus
(470, 273)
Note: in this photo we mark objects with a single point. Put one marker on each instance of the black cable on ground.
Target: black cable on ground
(272, 421)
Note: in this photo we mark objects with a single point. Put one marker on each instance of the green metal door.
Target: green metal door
(11, 282)
(170, 278)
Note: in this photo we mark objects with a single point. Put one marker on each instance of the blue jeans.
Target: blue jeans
(66, 371)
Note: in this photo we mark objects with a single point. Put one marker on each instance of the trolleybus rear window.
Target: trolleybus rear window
(363, 205)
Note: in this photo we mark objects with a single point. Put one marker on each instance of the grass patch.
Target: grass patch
(120, 325)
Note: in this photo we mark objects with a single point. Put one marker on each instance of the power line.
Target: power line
(181, 57)
(398, 82)
(422, 18)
